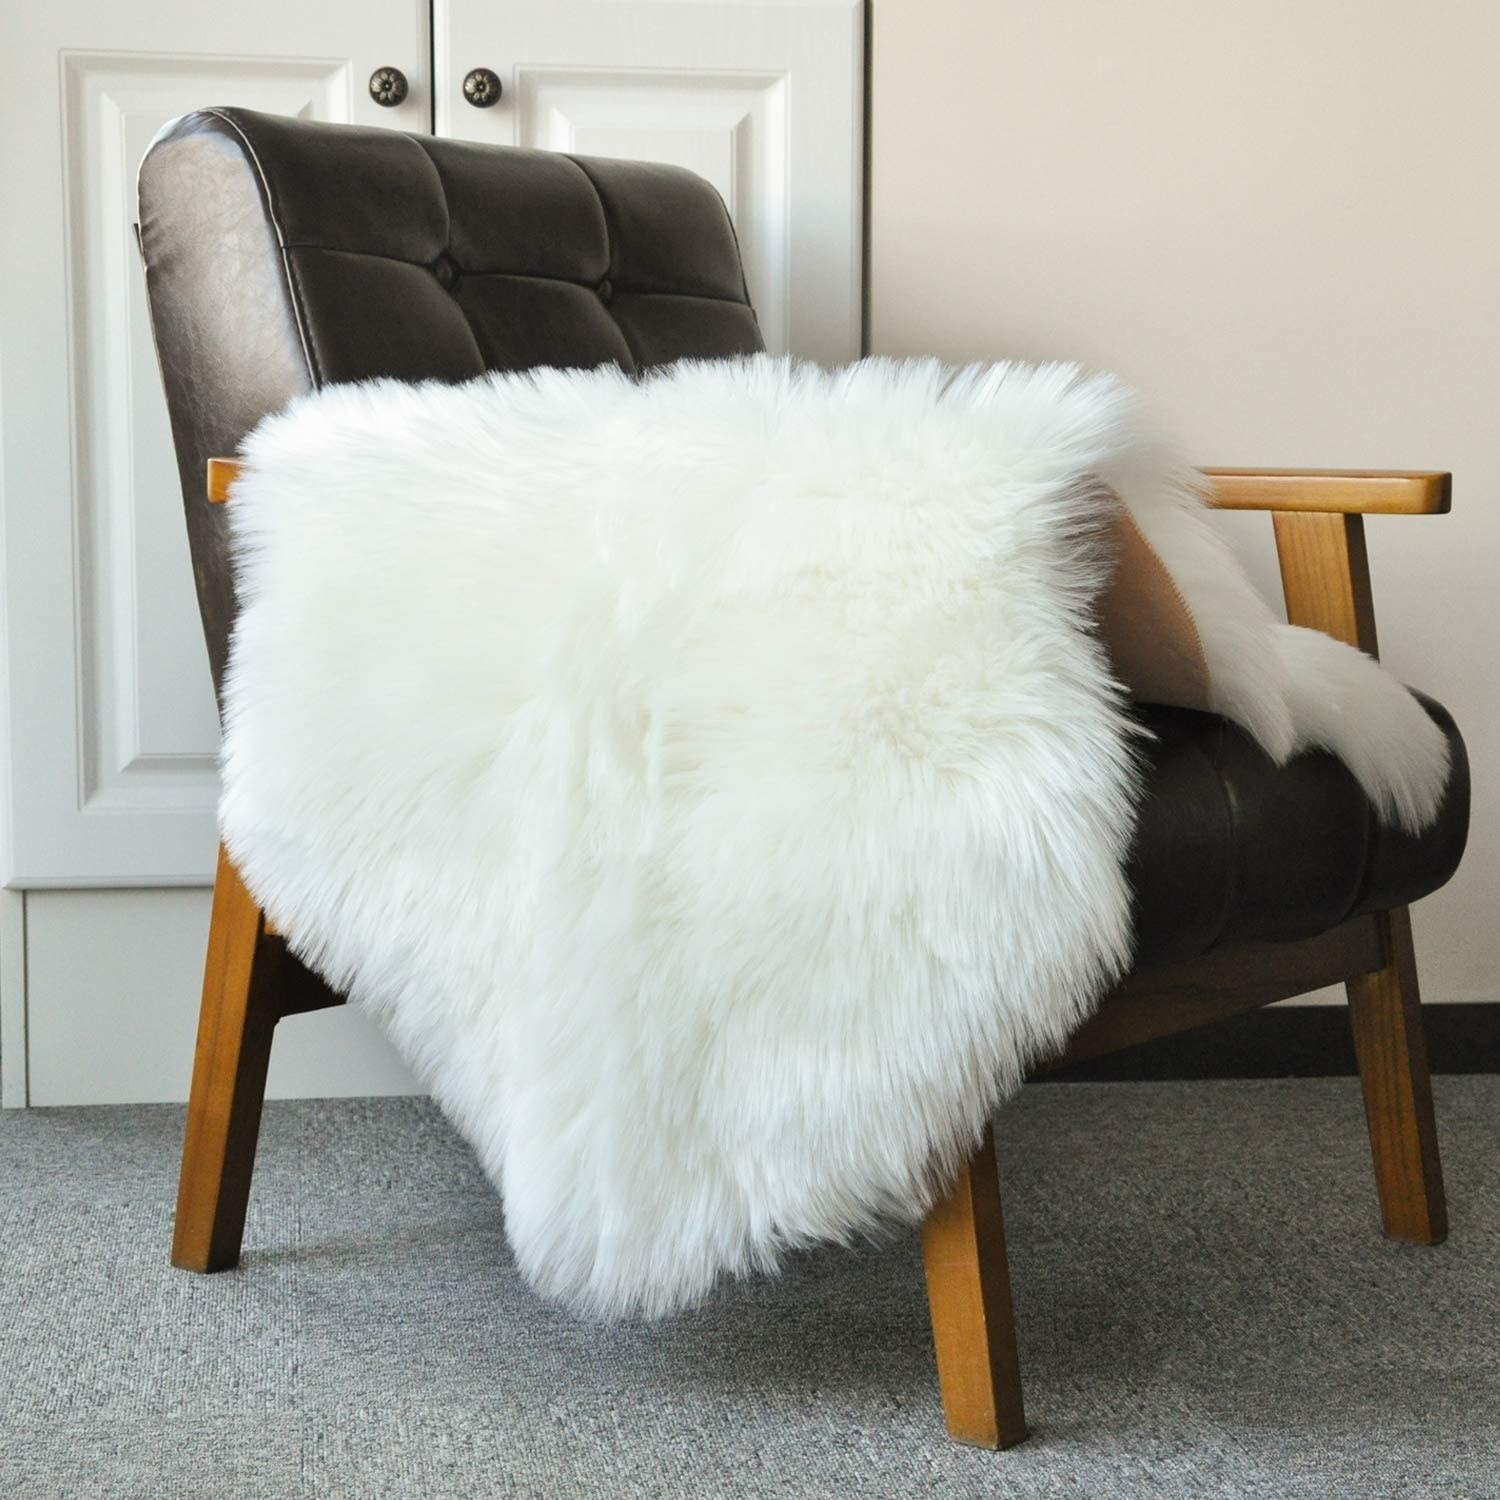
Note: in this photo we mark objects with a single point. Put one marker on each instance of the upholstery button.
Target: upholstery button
(605, 290)
(445, 268)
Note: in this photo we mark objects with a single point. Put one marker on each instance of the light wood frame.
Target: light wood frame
(250, 983)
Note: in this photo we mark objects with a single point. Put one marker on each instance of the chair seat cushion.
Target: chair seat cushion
(1232, 848)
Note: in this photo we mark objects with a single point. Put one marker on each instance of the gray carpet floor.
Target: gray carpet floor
(1206, 1309)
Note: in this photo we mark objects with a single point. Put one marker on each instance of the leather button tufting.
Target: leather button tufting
(445, 268)
(605, 291)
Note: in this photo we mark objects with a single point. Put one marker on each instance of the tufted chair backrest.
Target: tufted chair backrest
(282, 255)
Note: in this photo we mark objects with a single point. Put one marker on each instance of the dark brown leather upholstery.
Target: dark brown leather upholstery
(282, 255)
(1233, 848)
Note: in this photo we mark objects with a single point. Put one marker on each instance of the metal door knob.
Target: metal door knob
(388, 87)
(482, 87)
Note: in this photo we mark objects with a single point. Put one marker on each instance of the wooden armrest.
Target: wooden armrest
(1369, 492)
(222, 473)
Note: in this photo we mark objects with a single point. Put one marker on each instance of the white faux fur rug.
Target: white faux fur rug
(714, 783)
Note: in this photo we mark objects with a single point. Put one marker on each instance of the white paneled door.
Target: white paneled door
(762, 97)
(109, 734)
(112, 731)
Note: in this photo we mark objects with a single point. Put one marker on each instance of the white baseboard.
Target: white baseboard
(13, 1048)
(112, 989)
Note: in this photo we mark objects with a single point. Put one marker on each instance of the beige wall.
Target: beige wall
(1278, 218)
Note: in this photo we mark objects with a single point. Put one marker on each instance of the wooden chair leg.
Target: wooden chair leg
(973, 1325)
(241, 981)
(1386, 1012)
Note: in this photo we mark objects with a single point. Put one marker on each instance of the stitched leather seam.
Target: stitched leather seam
(469, 274)
(420, 142)
(739, 258)
(609, 248)
(293, 292)
(638, 291)
(426, 265)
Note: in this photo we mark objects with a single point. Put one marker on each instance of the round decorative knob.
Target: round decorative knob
(482, 88)
(388, 87)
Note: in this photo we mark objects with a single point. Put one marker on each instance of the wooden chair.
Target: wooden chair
(282, 255)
